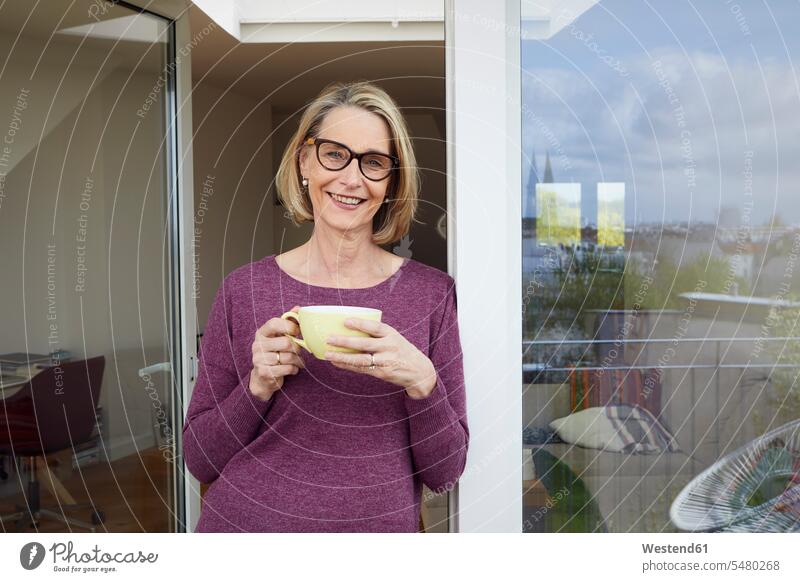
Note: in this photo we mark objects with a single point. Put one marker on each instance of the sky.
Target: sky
(694, 105)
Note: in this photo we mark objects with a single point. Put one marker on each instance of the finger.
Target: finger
(285, 370)
(362, 344)
(359, 360)
(292, 358)
(277, 326)
(270, 358)
(274, 372)
(276, 344)
(372, 327)
(346, 366)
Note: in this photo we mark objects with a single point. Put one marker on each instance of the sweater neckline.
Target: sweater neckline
(303, 285)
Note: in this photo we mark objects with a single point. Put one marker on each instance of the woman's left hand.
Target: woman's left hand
(396, 359)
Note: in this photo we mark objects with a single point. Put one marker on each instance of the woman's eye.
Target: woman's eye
(335, 155)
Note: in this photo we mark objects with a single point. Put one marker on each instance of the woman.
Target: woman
(293, 443)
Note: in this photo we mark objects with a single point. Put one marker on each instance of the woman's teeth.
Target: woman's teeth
(346, 200)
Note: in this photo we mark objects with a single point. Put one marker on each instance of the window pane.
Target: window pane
(85, 230)
(661, 235)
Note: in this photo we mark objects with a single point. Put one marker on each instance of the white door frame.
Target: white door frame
(185, 193)
(181, 186)
(484, 246)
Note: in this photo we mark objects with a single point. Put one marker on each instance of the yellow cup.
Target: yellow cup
(317, 322)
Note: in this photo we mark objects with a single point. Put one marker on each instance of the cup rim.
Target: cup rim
(340, 309)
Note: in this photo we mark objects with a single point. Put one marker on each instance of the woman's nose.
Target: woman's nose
(351, 173)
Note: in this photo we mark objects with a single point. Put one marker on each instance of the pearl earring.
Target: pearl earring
(305, 182)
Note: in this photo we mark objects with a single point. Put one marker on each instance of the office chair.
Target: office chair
(54, 411)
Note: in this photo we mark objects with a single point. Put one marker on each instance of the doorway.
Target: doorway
(247, 99)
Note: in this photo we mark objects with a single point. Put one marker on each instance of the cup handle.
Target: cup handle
(292, 315)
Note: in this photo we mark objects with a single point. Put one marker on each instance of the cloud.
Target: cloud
(683, 140)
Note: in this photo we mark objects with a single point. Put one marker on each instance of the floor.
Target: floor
(133, 492)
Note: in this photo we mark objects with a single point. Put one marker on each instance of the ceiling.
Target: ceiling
(290, 75)
(75, 31)
(41, 19)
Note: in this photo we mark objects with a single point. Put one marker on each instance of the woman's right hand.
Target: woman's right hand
(267, 375)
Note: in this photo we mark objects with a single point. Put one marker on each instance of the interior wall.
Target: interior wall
(232, 175)
(285, 234)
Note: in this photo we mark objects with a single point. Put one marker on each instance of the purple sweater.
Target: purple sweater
(333, 450)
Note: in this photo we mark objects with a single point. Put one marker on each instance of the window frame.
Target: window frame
(482, 45)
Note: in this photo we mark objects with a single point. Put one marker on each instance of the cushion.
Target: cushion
(619, 428)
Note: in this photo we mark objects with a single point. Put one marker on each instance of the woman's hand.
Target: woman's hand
(397, 360)
(267, 375)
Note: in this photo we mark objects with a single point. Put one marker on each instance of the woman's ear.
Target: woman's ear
(302, 159)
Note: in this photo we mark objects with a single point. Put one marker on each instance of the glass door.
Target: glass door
(660, 235)
(89, 337)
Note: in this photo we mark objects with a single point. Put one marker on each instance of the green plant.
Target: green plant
(581, 279)
(577, 511)
(587, 278)
(669, 280)
(784, 322)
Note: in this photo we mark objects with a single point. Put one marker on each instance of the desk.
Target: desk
(17, 368)
(17, 378)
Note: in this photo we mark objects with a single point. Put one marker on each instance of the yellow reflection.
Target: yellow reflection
(558, 213)
(611, 214)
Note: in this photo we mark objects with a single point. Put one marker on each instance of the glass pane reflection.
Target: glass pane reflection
(661, 236)
(87, 296)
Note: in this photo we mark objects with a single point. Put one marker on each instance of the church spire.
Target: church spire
(548, 171)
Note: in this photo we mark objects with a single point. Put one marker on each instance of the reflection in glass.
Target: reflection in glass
(611, 214)
(86, 432)
(559, 213)
(661, 334)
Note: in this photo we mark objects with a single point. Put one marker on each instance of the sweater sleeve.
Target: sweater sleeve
(223, 415)
(438, 423)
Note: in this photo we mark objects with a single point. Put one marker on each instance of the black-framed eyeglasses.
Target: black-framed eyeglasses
(336, 156)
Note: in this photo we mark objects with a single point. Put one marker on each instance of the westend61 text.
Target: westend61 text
(671, 549)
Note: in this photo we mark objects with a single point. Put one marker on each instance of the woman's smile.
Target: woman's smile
(345, 202)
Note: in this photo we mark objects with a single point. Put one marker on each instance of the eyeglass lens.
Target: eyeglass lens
(336, 157)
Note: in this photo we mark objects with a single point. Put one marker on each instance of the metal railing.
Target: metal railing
(716, 340)
(692, 367)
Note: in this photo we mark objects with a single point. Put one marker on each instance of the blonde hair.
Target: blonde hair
(392, 221)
